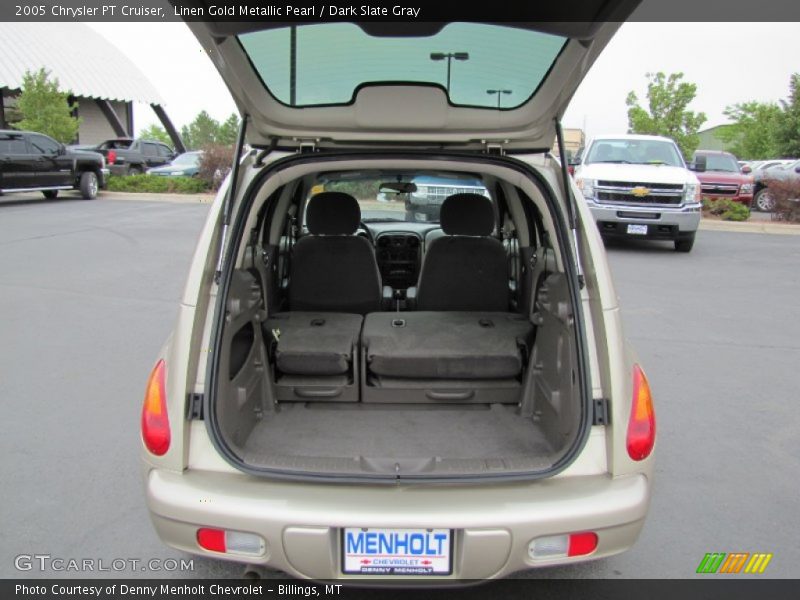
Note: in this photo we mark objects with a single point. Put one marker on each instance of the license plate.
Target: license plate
(637, 229)
(375, 551)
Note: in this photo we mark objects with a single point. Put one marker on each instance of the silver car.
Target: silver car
(349, 394)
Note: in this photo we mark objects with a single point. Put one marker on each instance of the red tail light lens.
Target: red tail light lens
(581, 544)
(211, 539)
(155, 422)
(642, 425)
(112, 157)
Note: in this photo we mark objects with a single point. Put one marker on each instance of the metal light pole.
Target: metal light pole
(292, 65)
(499, 93)
(449, 56)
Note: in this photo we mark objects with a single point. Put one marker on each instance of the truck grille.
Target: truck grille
(720, 189)
(438, 193)
(621, 192)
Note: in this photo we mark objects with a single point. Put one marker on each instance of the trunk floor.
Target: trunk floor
(394, 431)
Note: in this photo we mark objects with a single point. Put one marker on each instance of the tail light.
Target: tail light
(231, 542)
(112, 157)
(559, 546)
(155, 422)
(642, 424)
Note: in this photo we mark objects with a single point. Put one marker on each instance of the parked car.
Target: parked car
(425, 203)
(127, 156)
(723, 177)
(301, 417)
(762, 201)
(785, 171)
(183, 165)
(34, 162)
(638, 186)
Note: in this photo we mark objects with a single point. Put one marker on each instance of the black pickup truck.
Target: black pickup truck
(126, 156)
(34, 162)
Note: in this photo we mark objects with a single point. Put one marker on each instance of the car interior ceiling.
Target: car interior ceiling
(400, 339)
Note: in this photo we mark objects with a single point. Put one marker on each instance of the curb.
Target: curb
(750, 227)
(149, 197)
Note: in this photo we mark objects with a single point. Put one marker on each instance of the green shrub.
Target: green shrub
(156, 184)
(725, 209)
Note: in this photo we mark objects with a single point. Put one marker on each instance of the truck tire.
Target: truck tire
(50, 194)
(685, 244)
(88, 185)
(135, 170)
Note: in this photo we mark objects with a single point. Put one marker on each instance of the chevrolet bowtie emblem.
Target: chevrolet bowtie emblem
(640, 191)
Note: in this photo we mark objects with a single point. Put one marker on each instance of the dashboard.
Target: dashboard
(398, 249)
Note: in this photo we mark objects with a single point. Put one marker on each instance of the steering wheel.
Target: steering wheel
(365, 232)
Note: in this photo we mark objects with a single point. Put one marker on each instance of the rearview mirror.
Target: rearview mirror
(746, 169)
(398, 187)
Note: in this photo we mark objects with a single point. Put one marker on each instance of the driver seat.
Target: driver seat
(331, 269)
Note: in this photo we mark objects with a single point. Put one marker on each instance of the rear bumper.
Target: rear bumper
(103, 182)
(301, 523)
(663, 222)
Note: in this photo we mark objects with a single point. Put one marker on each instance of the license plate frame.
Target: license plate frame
(359, 553)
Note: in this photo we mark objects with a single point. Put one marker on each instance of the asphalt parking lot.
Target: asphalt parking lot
(89, 290)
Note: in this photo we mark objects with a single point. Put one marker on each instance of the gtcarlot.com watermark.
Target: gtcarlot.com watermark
(46, 562)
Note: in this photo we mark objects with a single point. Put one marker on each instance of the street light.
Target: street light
(499, 93)
(449, 56)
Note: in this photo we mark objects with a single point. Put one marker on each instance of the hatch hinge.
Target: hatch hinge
(307, 146)
(494, 147)
(195, 407)
(602, 411)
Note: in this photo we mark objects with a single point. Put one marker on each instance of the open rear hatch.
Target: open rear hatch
(511, 409)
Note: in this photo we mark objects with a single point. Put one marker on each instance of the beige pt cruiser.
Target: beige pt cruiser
(399, 351)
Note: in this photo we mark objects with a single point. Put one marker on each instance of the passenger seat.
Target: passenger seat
(466, 269)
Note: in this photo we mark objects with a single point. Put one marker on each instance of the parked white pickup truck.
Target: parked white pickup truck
(640, 186)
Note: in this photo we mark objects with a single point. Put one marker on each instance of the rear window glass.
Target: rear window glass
(488, 65)
(13, 145)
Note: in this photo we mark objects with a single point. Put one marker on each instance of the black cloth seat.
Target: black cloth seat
(446, 345)
(311, 343)
(465, 269)
(332, 269)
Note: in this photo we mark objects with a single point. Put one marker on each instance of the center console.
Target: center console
(399, 258)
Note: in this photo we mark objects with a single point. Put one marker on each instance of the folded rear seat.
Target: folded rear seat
(432, 356)
(314, 355)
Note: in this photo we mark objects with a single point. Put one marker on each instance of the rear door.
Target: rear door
(17, 168)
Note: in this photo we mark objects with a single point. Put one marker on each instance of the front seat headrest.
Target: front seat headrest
(467, 214)
(332, 213)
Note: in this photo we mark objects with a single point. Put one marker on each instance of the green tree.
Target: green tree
(204, 130)
(46, 109)
(157, 133)
(667, 114)
(787, 130)
(229, 130)
(752, 135)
